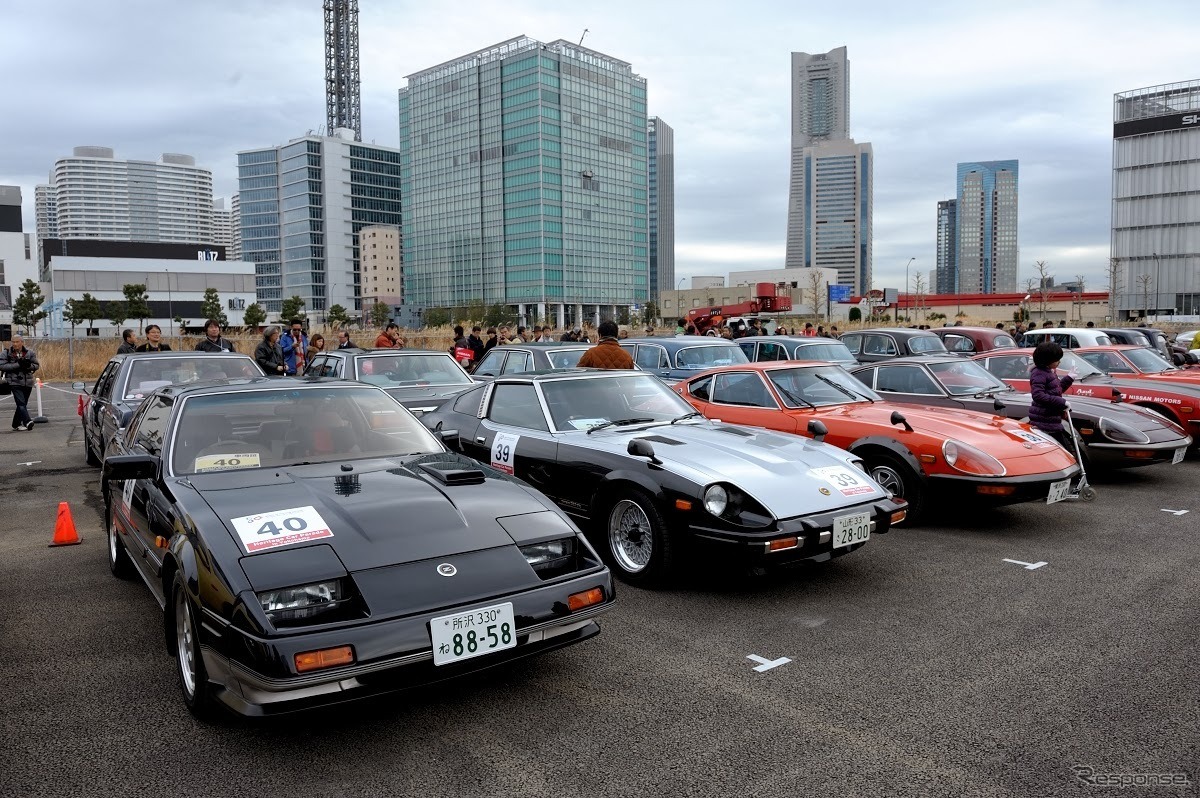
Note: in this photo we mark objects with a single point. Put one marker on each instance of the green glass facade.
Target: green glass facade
(524, 182)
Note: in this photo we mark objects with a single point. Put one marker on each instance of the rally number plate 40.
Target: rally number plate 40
(851, 529)
(473, 633)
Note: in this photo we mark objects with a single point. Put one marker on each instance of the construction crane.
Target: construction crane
(343, 105)
(585, 33)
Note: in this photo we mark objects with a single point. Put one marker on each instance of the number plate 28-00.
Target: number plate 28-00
(851, 529)
(473, 633)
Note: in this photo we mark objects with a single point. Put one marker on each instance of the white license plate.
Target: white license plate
(1180, 453)
(473, 633)
(1058, 491)
(851, 529)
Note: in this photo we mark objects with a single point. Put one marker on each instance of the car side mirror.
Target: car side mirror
(1117, 396)
(898, 418)
(640, 447)
(126, 417)
(130, 466)
(818, 430)
(998, 406)
(450, 437)
(79, 386)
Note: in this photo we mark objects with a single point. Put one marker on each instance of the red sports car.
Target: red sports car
(919, 453)
(1137, 361)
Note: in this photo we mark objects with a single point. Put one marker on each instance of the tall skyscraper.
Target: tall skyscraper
(1156, 199)
(832, 177)
(987, 253)
(302, 206)
(223, 233)
(93, 194)
(947, 264)
(661, 146)
(526, 182)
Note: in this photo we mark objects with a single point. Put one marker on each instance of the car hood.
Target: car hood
(384, 512)
(775, 468)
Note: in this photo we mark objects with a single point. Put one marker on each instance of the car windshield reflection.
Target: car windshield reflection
(922, 345)
(706, 357)
(1148, 361)
(150, 374)
(395, 371)
(285, 427)
(965, 377)
(565, 359)
(583, 403)
(834, 353)
(819, 386)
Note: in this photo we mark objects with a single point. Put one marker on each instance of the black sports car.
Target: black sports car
(521, 357)
(885, 343)
(621, 452)
(128, 379)
(310, 542)
(418, 379)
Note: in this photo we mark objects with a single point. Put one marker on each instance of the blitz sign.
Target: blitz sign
(207, 254)
(237, 304)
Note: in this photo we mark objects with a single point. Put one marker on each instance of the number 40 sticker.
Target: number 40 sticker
(264, 531)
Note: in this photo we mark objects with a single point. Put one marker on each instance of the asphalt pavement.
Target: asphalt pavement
(928, 663)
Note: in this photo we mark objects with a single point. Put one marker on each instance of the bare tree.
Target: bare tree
(919, 290)
(1043, 285)
(815, 280)
(1114, 279)
(1144, 280)
(1079, 295)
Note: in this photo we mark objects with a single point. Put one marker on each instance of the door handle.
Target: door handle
(480, 438)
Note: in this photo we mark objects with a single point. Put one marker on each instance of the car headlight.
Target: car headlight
(302, 603)
(552, 557)
(716, 499)
(966, 458)
(1121, 432)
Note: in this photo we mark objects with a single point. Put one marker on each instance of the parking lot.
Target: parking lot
(1016, 652)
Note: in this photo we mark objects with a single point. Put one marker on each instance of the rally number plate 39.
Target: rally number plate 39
(472, 633)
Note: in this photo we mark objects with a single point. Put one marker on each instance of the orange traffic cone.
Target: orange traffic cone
(64, 527)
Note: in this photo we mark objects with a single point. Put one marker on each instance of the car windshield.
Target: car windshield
(921, 344)
(585, 402)
(834, 353)
(704, 357)
(148, 374)
(565, 358)
(280, 427)
(392, 371)
(1148, 360)
(962, 377)
(818, 385)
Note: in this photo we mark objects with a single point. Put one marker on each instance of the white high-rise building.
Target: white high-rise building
(224, 232)
(16, 251)
(832, 177)
(93, 194)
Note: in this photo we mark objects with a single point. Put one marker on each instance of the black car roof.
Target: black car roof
(246, 384)
(174, 353)
(545, 375)
(937, 357)
(356, 352)
(902, 332)
(542, 345)
(685, 340)
(963, 328)
(791, 339)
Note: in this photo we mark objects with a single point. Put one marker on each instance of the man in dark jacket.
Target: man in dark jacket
(1046, 412)
(607, 354)
(154, 342)
(17, 364)
(269, 354)
(213, 342)
(475, 341)
(344, 341)
(128, 343)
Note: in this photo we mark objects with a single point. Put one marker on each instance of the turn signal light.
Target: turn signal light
(577, 601)
(324, 658)
(1139, 454)
(783, 544)
(928, 458)
(1185, 409)
(996, 490)
(899, 516)
(683, 504)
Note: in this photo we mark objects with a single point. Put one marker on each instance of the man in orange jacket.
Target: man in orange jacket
(607, 354)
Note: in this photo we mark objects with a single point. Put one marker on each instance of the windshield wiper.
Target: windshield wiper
(621, 422)
(686, 416)
(843, 388)
(793, 398)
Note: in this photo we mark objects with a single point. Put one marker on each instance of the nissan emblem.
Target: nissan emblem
(446, 569)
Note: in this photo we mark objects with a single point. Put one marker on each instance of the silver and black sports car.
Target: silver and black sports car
(421, 380)
(311, 542)
(620, 452)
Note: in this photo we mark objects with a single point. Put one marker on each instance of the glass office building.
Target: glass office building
(1156, 200)
(946, 271)
(986, 251)
(302, 207)
(661, 144)
(525, 182)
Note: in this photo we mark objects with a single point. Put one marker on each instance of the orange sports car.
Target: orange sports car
(1124, 360)
(918, 453)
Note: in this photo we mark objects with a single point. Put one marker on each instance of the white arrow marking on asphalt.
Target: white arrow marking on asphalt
(31, 462)
(1029, 566)
(765, 664)
(1175, 512)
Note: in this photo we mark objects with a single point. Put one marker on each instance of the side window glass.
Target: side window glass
(517, 406)
(152, 427)
(490, 363)
(104, 384)
(853, 343)
(905, 379)
(865, 376)
(516, 363)
(741, 388)
(316, 368)
(957, 343)
(879, 345)
(701, 388)
(748, 348)
(335, 367)
(651, 357)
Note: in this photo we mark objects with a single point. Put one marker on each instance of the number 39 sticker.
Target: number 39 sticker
(504, 451)
(271, 530)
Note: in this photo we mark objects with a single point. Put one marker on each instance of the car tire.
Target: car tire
(193, 678)
(898, 477)
(118, 557)
(638, 541)
(92, 459)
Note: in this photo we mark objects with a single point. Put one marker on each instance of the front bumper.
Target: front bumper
(997, 491)
(813, 534)
(390, 655)
(1132, 455)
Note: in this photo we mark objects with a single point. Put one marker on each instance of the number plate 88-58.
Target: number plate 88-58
(473, 633)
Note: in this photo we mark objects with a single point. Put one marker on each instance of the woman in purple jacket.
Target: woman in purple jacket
(1046, 412)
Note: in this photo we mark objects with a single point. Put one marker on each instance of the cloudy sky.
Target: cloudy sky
(932, 84)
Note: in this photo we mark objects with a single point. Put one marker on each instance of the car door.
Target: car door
(910, 383)
(514, 437)
(517, 363)
(98, 406)
(877, 346)
(491, 364)
(742, 397)
(148, 510)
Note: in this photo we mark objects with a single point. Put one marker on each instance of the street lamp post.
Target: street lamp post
(907, 297)
(1157, 284)
(170, 303)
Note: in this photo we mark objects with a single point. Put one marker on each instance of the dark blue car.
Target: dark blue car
(678, 358)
